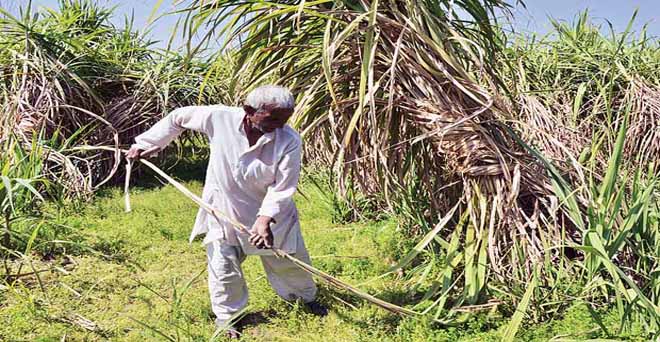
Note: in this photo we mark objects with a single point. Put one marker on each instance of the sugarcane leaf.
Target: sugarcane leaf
(26, 184)
(421, 245)
(9, 193)
(33, 236)
(370, 44)
(610, 178)
(514, 325)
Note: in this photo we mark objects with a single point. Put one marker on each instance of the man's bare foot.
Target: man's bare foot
(232, 334)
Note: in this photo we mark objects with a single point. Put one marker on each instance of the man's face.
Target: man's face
(268, 118)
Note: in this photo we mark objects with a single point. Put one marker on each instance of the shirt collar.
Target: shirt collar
(240, 122)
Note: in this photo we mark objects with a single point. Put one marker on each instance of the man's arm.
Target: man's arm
(279, 195)
(197, 118)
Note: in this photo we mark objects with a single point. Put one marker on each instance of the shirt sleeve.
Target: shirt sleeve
(196, 118)
(280, 193)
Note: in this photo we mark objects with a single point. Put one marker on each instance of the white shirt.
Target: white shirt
(242, 181)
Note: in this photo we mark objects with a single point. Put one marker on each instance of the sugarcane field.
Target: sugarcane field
(329, 170)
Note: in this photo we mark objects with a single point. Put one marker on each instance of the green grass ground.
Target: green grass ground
(152, 284)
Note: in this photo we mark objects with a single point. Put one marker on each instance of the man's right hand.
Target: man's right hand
(134, 153)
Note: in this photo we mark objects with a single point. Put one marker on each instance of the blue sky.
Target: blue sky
(534, 18)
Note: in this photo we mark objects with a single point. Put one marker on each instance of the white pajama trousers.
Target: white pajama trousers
(227, 287)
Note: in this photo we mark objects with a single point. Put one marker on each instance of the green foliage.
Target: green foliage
(159, 289)
(351, 207)
(580, 61)
(20, 177)
(618, 238)
(582, 103)
(73, 78)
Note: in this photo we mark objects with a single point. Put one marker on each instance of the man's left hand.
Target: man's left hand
(260, 235)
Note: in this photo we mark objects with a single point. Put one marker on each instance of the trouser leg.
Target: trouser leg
(227, 286)
(288, 280)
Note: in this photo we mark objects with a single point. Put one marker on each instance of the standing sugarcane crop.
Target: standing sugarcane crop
(252, 175)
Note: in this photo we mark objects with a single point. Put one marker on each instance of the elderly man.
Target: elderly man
(252, 175)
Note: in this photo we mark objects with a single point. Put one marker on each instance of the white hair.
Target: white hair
(277, 96)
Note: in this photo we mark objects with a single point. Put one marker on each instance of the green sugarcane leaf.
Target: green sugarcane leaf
(514, 325)
(26, 184)
(421, 245)
(9, 193)
(611, 175)
(370, 44)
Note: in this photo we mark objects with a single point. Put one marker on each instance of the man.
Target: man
(252, 175)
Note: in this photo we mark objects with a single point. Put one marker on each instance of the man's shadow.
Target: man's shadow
(251, 319)
(254, 319)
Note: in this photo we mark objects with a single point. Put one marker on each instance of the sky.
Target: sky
(532, 18)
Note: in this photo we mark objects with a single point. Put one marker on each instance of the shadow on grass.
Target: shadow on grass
(335, 299)
(117, 251)
(394, 296)
(254, 319)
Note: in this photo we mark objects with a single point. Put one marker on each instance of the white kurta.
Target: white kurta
(242, 181)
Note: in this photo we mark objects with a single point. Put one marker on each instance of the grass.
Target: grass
(414, 111)
(152, 284)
